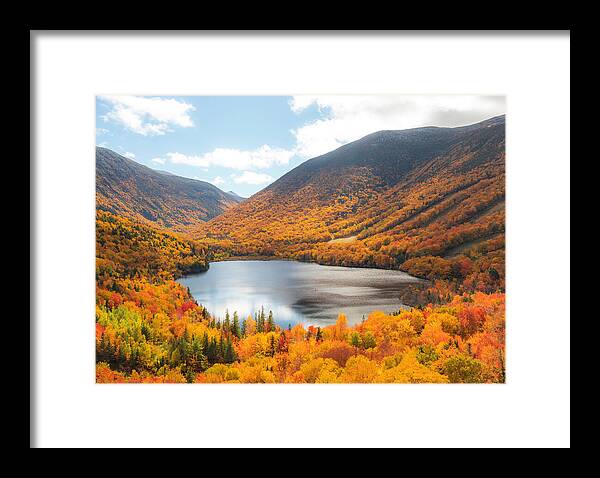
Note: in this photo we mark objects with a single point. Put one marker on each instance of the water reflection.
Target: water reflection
(296, 291)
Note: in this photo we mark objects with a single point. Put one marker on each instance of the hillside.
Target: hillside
(126, 249)
(429, 201)
(137, 192)
(426, 200)
(150, 329)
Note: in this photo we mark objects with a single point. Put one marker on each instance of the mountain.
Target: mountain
(392, 199)
(382, 159)
(132, 190)
(236, 196)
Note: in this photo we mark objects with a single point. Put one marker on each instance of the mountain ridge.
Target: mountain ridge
(135, 191)
(451, 134)
(403, 195)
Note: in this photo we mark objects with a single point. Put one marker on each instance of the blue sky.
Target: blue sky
(243, 143)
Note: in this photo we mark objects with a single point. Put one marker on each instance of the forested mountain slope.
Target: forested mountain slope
(135, 191)
(427, 200)
(150, 329)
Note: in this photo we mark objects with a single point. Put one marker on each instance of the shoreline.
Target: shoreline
(254, 258)
(278, 258)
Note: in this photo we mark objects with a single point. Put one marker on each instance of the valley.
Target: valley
(392, 200)
(425, 205)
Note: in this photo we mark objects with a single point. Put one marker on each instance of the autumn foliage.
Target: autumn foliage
(435, 212)
(150, 329)
(442, 219)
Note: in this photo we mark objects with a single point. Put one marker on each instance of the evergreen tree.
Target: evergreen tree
(227, 322)
(270, 322)
(197, 360)
(260, 325)
(235, 327)
(212, 351)
(220, 349)
(229, 352)
(205, 343)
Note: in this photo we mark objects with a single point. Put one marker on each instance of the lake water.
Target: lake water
(303, 292)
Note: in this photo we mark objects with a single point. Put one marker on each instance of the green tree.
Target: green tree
(270, 322)
(260, 320)
(221, 349)
(227, 322)
(229, 355)
(235, 326)
(355, 339)
(463, 369)
(368, 340)
(426, 354)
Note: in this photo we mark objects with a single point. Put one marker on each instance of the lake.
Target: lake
(309, 293)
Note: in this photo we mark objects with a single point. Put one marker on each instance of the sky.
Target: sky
(244, 143)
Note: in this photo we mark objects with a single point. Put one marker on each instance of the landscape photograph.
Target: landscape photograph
(327, 239)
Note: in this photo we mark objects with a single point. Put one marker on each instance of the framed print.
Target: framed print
(356, 239)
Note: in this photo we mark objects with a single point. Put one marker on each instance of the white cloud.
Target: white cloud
(342, 119)
(100, 131)
(260, 158)
(250, 177)
(129, 155)
(348, 118)
(148, 116)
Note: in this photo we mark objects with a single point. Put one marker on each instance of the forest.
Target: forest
(150, 329)
(427, 201)
(442, 219)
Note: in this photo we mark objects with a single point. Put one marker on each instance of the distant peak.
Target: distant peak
(235, 195)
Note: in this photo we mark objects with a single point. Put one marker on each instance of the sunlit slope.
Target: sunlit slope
(135, 191)
(396, 197)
